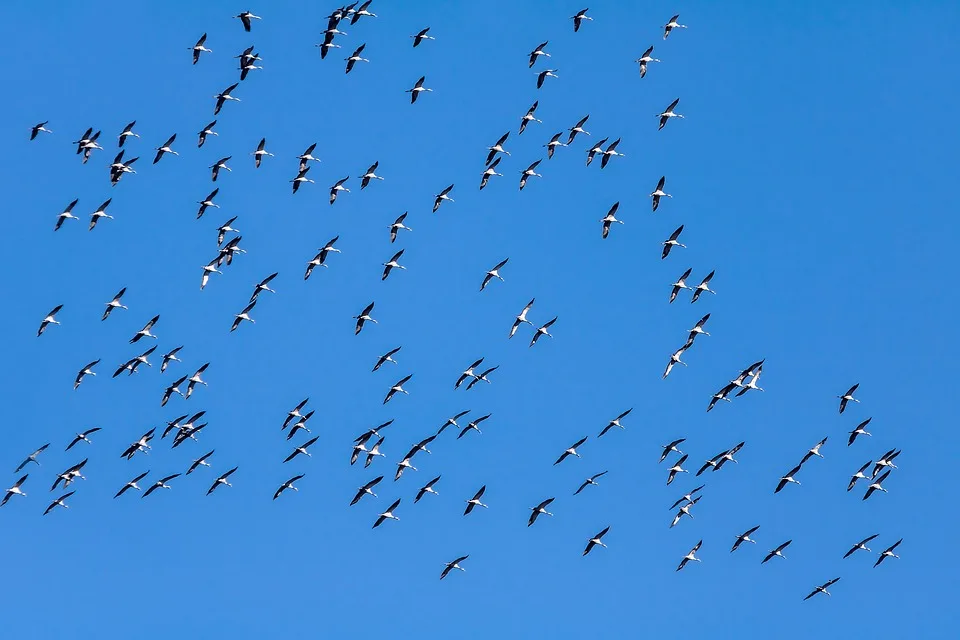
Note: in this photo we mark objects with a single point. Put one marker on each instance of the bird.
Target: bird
(366, 489)
(658, 193)
(529, 172)
(80, 437)
(397, 388)
(59, 502)
(198, 48)
(542, 330)
(571, 451)
(785, 480)
(814, 451)
(671, 447)
(114, 304)
(195, 379)
(876, 485)
(888, 553)
(131, 484)
(777, 552)
(490, 172)
(295, 413)
(362, 11)
(245, 19)
(87, 370)
(417, 89)
(337, 188)
(712, 462)
(49, 319)
(223, 96)
(521, 318)
(307, 156)
(302, 449)
(170, 356)
(172, 389)
(610, 152)
(300, 425)
(859, 475)
(615, 423)
(645, 58)
(37, 128)
(66, 215)
(388, 514)
(822, 588)
(595, 149)
(131, 365)
(321, 257)
(690, 556)
(744, 537)
(596, 540)
(529, 117)
(452, 421)
(668, 113)
(475, 501)
(672, 242)
(263, 285)
(142, 444)
(848, 397)
(497, 148)
(84, 139)
(355, 57)
(493, 273)
(677, 468)
(145, 332)
(722, 394)
(536, 53)
(202, 460)
(369, 175)
(482, 376)
(543, 75)
(680, 284)
(392, 264)
(219, 164)
(671, 25)
(402, 466)
(473, 425)
(886, 460)
(301, 178)
(222, 480)
(387, 357)
(537, 510)
(397, 226)
(440, 197)
(579, 18)
(68, 476)
(31, 458)
(684, 510)
(288, 484)
(609, 219)
(165, 148)
(450, 566)
(859, 431)
(553, 144)
(160, 484)
(244, 315)
(860, 545)
(363, 318)
(704, 286)
(727, 456)
(101, 212)
(15, 490)
(591, 480)
(698, 330)
(427, 488)
(260, 153)
(421, 36)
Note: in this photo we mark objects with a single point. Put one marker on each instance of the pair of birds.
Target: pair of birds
(542, 330)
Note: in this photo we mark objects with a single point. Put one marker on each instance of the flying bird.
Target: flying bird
(417, 89)
(206, 131)
(643, 60)
(744, 537)
(859, 475)
(596, 540)
(397, 388)
(787, 479)
(397, 226)
(31, 458)
(876, 485)
(172, 389)
(704, 286)
(497, 148)
(287, 485)
(302, 449)
(363, 318)
(222, 480)
(537, 510)
(671, 448)
(245, 19)
(615, 422)
(114, 304)
(579, 18)
(610, 152)
(595, 149)
(822, 588)
(49, 319)
(198, 48)
(668, 113)
(387, 357)
(671, 25)
(777, 552)
(571, 451)
(529, 172)
(452, 421)
(101, 212)
(482, 377)
(355, 58)
(536, 53)
(814, 451)
(66, 215)
(131, 485)
(224, 96)
(472, 426)
(521, 318)
(366, 489)
(244, 315)
(392, 264)
(862, 545)
(362, 11)
(170, 356)
(553, 144)
(886, 553)
(59, 502)
(37, 128)
(86, 371)
(542, 330)
(440, 197)
(15, 490)
(529, 117)
(886, 460)
(160, 484)
(263, 285)
(450, 566)
(609, 219)
(489, 172)
(681, 283)
(493, 273)
(672, 242)
(859, 431)
(848, 397)
(337, 188)
(475, 501)
(421, 36)
(677, 468)
(699, 330)
(165, 148)
(145, 332)
(427, 488)
(370, 174)
(142, 444)
(592, 480)
(543, 75)
(388, 514)
(81, 437)
(658, 193)
(690, 557)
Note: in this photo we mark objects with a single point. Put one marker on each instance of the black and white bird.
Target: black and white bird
(777, 552)
(482, 377)
(66, 215)
(493, 273)
(15, 490)
(222, 480)
(82, 437)
(543, 75)
(489, 172)
(888, 553)
(421, 36)
(388, 514)
(615, 423)
(860, 430)
(245, 19)
(643, 60)
(145, 332)
(722, 394)
(529, 117)
(529, 172)
(596, 541)
(521, 318)
(365, 490)
(609, 219)
(31, 458)
(387, 357)
(680, 284)
(363, 318)
(263, 285)
(595, 149)
(814, 451)
(87, 370)
(539, 51)
(397, 226)
(610, 152)
(822, 588)
(704, 286)
(876, 485)
(59, 502)
(427, 488)
(287, 485)
(224, 96)
(452, 421)
(579, 18)
(862, 545)
(101, 212)
(173, 388)
(206, 131)
(699, 330)
(355, 58)
(886, 460)
(337, 188)
(578, 128)
(440, 197)
(592, 480)
(859, 475)
(217, 166)
(196, 379)
(114, 304)
(370, 174)
(165, 148)
(392, 264)
(543, 330)
(260, 152)
(49, 319)
(170, 356)
(672, 242)
(690, 557)
(160, 484)
(450, 566)
(553, 144)
(320, 259)
(497, 148)
(198, 48)
(668, 113)
(472, 426)
(571, 451)
(202, 460)
(69, 475)
(356, 14)
(684, 511)
(788, 478)
(417, 89)
(302, 449)
(307, 156)
(658, 193)
(142, 444)
(37, 128)
(244, 315)
(848, 397)
(537, 510)
(132, 484)
(397, 388)
(671, 447)
(671, 25)
(744, 537)
(295, 413)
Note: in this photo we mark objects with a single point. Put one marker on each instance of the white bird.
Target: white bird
(529, 172)
(671, 448)
(263, 285)
(497, 148)
(785, 480)
(886, 460)
(822, 588)
(392, 264)
(417, 89)
(223, 96)
(450, 566)
(677, 468)
(452, 421)
(370, 174)
(615, 423)
(160, 484)
(131, 484)
(859, 431)
(59, 502)
(595, 149)
(49, 319)
(195, 379)
(704, 286)
(848, 397)
(440, 197)
(690, 557)
(101, 212)
(671, 25)
(355, 58)
(173, 388)
(208, 270)
(475, 501)
(814, 451)
(364, 317)
(388, 514)
(777, 552)
(543, 75)
(37, 128)
(387, 357)
(397, 388)
(675, 359)
(859, 475)
(579, 18)
(553, 144)
(307, 156)
(888, 553)
(543, 330)
(170, 356)
(467, 373)
(595, 541)
(490, 172)
(592, 480)
(752, 384)
(260, 153)
(521, 318)
(684, 511)
(672, 242)
(397, 226)
(245, 18)
(744, 537)
(862, 545)
(571, 451)
(537, 510)
(206, 131)
(66, 215)
(536, 53)
(668, 113)
(302, 449)
(222, 480)
(219, 164)
(165, 148)
(366, 489)
(681, 283)
(86, 371)
(644, 59)
(610, 152)
(529, 117)
(493, 273)
(15, 490)
(82, 437)
(287, 485)
(244, 315)
(198, 48)
(427, 488)
(301, 178)
(362, 11)
(145, 332)
(337, 188)
(876, 485)
(658, 193)
(421, 36)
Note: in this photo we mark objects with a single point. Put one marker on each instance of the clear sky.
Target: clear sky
(811, 172)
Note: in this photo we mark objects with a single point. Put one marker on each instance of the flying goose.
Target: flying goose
(421, 36)
(859, 475)
(287, 485)
(787, 479)
(199, 462)
(571, 451)
(536, 53)
(886, 460)
(101, 212)
(859, 431)
(206, 131)
(537, 510)
(86, 371)
(529, 172)
(698, 330)
(417, 89)
(387, 357)
(493, 273)
(489, 172)
(777, 552)
(615, 422)
(37, 128)
(848, 397)
(529, 117)
(876, 485)
(223, 96)
(366, 489)
(370, 174)
(671, 242)
(591, 480)
(475, 501)
(198, 48)
(170, 356)
(388, 514)
(610, 152)
(302, 449)
(521, 318)
(397, 388)
(440, 197)
(677, 468)
(814, 451)
(822, 588)
(49, 319)
(131, 484)
(473, 426)
(543, 75)
(160, 484)
(671, 25)
(497, 148)
(165, 148)
(452, 421)
(66, 215)
(174, 388)
(222, 480)
(671, 447)
(355, 58)
(596, 540)
(542, 330)
(397, 226)
(579, 18)
(681, 283)
(553, 144)
(578, 128)
(609, 219)
(692, 556)
(482, 377)
(15, 490)
(363, 318)
(81, 437)
(427, 488)
(702, 287)
(862, 545)
(245, 19)
(595, 149)
(244, 315)
(888, 553)
(668, 113)
(658, 193)
(219, 164)
(645, 58)
(31, 458)
(392, 264)
(744, 537)
(450, 566)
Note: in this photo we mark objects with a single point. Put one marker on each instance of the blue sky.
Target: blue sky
(811, 172)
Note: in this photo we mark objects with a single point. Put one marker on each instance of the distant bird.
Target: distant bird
(244, 315)
(387, 357)
(206, 131)
(862, 545)
(114, 304)
(452, 421)
(497, 148)
(86, 371)
(671, 25)
(472, 426)
(610, 152)
(328, 43)
(307, 156)
(369, 175)
(295, 413)
(543, 330)
(529, 117)
(81, 437)
(222, 480)
(571, 451)
(645, 58)
(684, 511)
(202, 460)
(198, 48)
(722, 394)
(668, 113)
(886, 553)
(37, 128)
(876, 485)
(886, 460)
(489, 172)
(482, 377)
(321, 257)
(355, 57)
(84, 139)
(536, 53)
(170, 356)
(165, 148)
(859, 431)
(690, 557)
(49, 319)
(615, 422)
(263, 285)
(543, 75)
(672, 242)
(287, 485)
(397, 388)
(521, 318)
(699, 330)
(300, 425)
(388, 514)
(392, 264)
(66, 215)
(671, 448)
(101, 212)
(440, 197)
(145, 332)
(128, 133)
(537, 510)
(579, 18)
(848, 397)
(260, 153)
(142, 444)
(397, 226)
(609, 219)
(704, 286)
(224, 96)
(777, 552)
(195, 379)
(421, 36)
(131, 484)
(450, 566)
(364, 317)
(160, 484)
(591, 480)
(301, 178)
(822, 588)
(475, 501)
(362, 11)
(595, 149)
(675, 359)
(493, 273)
(337, 188)
(15, 490)
(712, 462)
(245, 19)
(365, 490)
(467, 373)
(427, 488)
(744, 537)
(677, 468)
(302, 449)
(553, 144)
(596, 540)
(417, 89)
(31, 458)
(859, 475)
(59, 502)
(814, 451)
(529, 172)
(680, 284)
(217, 166)
(658, 193)
(787, 479)
(172, 389)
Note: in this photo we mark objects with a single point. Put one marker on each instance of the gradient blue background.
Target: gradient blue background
(812, 172)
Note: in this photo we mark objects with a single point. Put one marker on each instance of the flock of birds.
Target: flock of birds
(368, 444)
